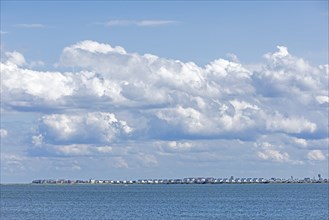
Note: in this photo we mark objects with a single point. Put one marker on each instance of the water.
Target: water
(254, 201)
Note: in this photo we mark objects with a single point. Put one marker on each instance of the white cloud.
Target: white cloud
(93, 47)
(234, 58)
(37, 140)
(74, 150)
(3, 133)
(31, 25)
(116, 98)
(322, 99)
(282, 53)
(104, 149)
(93, 127)
(222, 68)
(316, 155)
(289, 125)
(300, 141)
(274, 155)
(190, 119)
(143, 23)
(179, 145)
(290, 77)
(37, 63)
(242, 117)
(12, 163)
(15, 58)
(80, 150)
(18, 59)
(34, 83)
(212, 100)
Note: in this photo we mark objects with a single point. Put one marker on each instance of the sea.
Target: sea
(208, 201)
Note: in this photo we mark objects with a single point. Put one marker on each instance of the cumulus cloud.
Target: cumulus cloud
(316, 155)
(92, 47)
(189, 119)
(116, 96)
(289, 125)
(275, 152)
(15, 58)
(34, 84)
(93, 127)
(273, 155)
(289, 76)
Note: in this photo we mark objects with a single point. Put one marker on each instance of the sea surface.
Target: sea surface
(227, 201)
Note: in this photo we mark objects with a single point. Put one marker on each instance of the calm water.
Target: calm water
(269, 201)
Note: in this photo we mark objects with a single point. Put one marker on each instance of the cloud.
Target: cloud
(270, 152)
(287, 76)
(34, 64)
(15, 58)
(3, 133)
(189, 119)
(273, 155)
(176, 147)
(289, 125)
(142, 23)
(316, 155)
(3, 32)
(92, 47)
(33, 83)
(37, 140)
(141, 108)
(300, 141)
(322, 99)
(13, 163)
(30, 25)
(148, 160)
(93, 127)
(82, 150)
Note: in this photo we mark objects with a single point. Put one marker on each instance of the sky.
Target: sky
(138, 89)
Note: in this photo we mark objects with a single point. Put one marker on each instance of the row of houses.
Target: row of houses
(59, 181)
(190, 180)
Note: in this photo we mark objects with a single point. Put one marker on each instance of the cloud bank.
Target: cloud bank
(142, 108)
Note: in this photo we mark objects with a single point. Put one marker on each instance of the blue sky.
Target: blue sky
(249, 29)
(163, 89)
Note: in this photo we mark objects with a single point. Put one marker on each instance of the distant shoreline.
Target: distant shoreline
(190, 180)
(122, 184)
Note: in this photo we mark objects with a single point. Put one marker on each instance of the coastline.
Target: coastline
(186, 181)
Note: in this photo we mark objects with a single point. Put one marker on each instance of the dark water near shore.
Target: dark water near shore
(254, 201)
